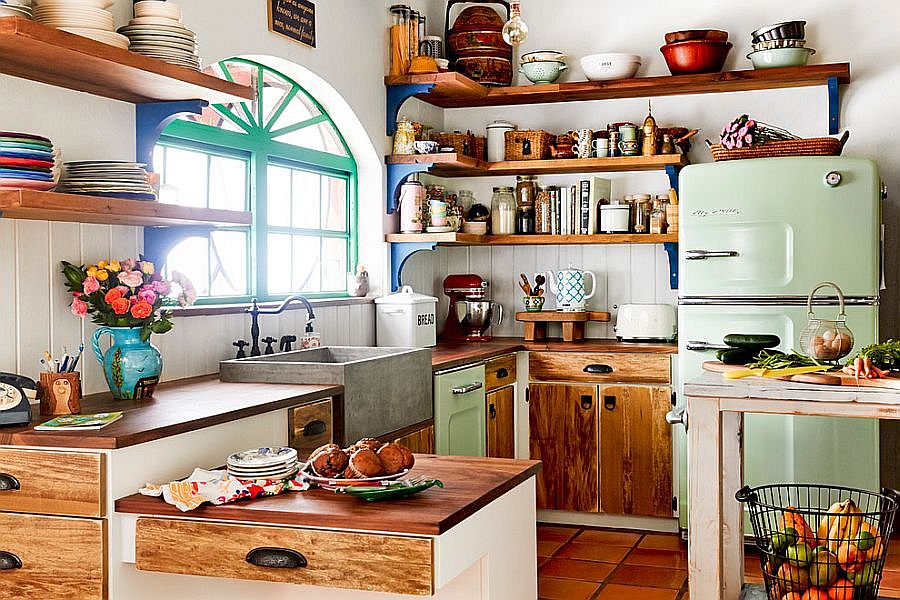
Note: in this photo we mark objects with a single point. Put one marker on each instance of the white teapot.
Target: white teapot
(569, 287)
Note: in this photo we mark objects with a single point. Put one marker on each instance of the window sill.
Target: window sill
(208, 310)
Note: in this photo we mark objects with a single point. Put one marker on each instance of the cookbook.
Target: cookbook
(79, 422)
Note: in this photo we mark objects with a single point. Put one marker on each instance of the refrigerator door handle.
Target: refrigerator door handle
(677, 417)
(704, 254)
(705, 346)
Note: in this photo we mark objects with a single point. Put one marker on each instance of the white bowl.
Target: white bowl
(155, 8)
(543, 56)
(610, 65)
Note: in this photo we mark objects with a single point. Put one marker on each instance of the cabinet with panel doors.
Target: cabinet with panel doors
(499, 405)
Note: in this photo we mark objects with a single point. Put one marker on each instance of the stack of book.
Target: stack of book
(576, 210)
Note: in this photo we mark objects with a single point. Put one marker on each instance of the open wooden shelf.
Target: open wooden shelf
(33, 51)
(452, 164)
(468, 239)
(75, 208)
(453, 90)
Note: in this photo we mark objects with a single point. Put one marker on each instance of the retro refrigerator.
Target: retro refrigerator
(756, 236)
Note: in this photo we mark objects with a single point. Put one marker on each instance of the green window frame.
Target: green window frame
(251, 131)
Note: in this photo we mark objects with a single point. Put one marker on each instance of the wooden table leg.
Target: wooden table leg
(732, 510)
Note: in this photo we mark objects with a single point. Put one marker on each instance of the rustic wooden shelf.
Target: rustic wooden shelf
(33, 51)
(573, 323)
(453, 90)
(75, 208)
(468, 239)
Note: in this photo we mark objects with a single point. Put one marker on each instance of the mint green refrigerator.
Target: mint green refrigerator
(756, 236)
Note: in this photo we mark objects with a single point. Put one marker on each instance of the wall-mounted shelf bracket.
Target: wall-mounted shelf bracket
(397, 95)
(834, 106)
(397, 176)
(672, 171)
(400, 253)
(150, 120)
(159, 241)
(671, 249)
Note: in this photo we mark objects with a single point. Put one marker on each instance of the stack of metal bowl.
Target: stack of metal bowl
(780, 45)
(542, 66)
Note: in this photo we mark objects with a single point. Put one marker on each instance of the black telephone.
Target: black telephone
(15, 408)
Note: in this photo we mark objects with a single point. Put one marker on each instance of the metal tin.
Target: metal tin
(789, 30)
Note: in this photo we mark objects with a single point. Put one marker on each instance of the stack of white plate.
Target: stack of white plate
(156, 30)
(263, 463)
(108, 178)
(15, 8)
(87, 18)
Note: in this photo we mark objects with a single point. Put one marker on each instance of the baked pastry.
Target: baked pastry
(313, 454)
(392, 458)
(365, 462)
(369, 443)
(408, 459)
(329, 462)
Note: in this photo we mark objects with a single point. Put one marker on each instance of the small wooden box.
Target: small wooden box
(60, 393)
(672, 218)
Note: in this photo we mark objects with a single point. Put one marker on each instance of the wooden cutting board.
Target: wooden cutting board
(831, 378)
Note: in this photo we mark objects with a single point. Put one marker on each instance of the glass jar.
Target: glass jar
(526, 192)
(414, 18)
(466, 200)
(658, 220)
(405, 137)
(399, 35)
(542, 213)
(641, 209)
(503, 211)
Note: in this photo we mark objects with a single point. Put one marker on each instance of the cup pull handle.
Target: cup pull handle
(316, 427)
(502, 373)
(587, 402)
(9, 483)
(609, 402)
(276, 558)
(598, 369)
(9, 561)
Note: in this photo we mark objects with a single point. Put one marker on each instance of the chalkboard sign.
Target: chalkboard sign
(295, 19)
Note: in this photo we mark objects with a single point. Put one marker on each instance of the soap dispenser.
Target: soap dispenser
(310, 338)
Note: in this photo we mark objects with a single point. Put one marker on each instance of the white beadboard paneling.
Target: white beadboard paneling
(33, 271)
(342, 326)
(643, 260)
(66, 328)
(594, 259)
(503, 287)
(94, 247)
(9, 306)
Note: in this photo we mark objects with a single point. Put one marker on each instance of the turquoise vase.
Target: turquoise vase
(132, 367)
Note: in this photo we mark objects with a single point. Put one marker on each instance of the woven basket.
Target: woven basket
(478, 146)
(824, 146)
(463, 143)
(528, 144)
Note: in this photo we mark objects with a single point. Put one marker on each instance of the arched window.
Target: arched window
(280, 157)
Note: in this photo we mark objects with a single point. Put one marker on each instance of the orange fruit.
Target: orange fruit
(841, 590)
(792, 596)
(792, 579)
(815, 594)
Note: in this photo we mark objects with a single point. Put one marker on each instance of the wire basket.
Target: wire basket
(820, 542)
(826, 339)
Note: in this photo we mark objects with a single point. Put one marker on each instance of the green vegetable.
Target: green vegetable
(735, 356)
(885, 355)
(752, 341)
(773, 359)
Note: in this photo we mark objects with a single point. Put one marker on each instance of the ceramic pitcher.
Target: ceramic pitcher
(132, 366)
(570, 288)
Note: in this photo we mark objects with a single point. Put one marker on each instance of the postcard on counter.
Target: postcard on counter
(79, 422)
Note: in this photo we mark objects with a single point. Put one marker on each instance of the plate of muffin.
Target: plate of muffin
(367, 462)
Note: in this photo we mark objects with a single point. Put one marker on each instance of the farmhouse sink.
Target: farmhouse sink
(385, 389)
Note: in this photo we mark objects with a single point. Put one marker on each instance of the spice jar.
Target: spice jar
(405, 137)
(526, 192)
(641, 209)
(542, 212)
(503, 211)
(399, 35)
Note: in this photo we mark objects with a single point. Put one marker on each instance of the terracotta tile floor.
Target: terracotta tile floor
(577, 563)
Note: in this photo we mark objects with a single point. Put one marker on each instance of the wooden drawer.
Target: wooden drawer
(599, 367)
(52, 483)
(500, 372)
(380, 563)
(310, 427)
(61, 558)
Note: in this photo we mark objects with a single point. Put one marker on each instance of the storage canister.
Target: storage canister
(405, 320)
(496, 140)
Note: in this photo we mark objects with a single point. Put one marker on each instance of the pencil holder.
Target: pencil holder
(60, 393)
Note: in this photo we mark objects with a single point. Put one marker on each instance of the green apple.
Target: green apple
(865, 576)
(799, 555)
(823, 568)
(865, 540)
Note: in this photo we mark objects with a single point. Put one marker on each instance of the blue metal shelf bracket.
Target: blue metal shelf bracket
(397, 95)
(834, 106)
(397, 176)
(150, 120)
(159, 241)
(672, 171)
(400, 253)
(671, 249)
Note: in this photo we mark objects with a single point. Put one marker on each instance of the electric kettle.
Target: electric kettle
(570, 288)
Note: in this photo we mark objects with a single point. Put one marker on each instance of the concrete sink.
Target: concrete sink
(385, 389)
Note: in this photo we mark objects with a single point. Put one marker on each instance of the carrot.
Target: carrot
(857, 367)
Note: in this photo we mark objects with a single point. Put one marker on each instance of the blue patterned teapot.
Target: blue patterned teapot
(570, 288)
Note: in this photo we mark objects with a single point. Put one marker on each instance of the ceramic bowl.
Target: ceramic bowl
(695, 56)
(610, 65)
(546, 71)
(780, 57)
(543, 55)
(426, 147)
(475, 227)
(157, 8)
(533, 303)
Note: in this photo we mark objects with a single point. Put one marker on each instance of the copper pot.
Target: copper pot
(695, 56)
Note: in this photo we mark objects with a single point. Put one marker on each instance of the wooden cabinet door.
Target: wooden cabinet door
(311, 426)
(420, 441)
(564, 435)
(635, 450)
(500, 405)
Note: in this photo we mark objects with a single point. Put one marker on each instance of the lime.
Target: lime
(865, 540)
(793, 536)
(779, 542)
(799, 555)
(865, 576)
(823, 569)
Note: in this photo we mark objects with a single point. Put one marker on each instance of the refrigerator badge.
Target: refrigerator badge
(716, 212)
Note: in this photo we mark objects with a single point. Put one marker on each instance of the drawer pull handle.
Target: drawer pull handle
(609, 402)
(9, 561)
(9, 483)
(502, 373)
(276, 558)
(598, 369)
(465, 389)
(587, 402)
(316, 427)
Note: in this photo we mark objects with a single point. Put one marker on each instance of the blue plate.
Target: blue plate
(25, 146)
(124, 195)
(31, 154)
(25, 175)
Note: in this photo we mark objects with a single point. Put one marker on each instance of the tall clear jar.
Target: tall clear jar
(542, 211)
(503, 211)
(399, 35)
(466, 200)
(641, 210)
(658, 220)
(414, 18)
(526, 194)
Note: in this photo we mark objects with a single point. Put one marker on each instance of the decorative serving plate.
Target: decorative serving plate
(331, 483)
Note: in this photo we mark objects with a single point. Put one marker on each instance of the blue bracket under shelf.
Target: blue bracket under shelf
(834, 106)
(150, 120)
(397, 176)
(671, 249)
(397, 95)
(400, 253)
(159, 241)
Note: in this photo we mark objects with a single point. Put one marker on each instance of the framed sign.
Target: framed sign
(295, 19)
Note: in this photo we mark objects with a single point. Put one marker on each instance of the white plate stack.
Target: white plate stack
(16, 8)
(87, 18)
(156, 30)
(106, 178)
(263, 463)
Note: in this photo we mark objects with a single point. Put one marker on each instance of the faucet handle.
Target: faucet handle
(240, 345)
(268, 341)
(286, 341)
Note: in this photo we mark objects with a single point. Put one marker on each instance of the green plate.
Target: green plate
(394, 491)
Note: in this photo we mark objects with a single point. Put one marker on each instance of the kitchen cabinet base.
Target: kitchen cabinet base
(585, 519)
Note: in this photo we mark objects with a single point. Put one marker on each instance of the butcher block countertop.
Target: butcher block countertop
(176, 407)
(449, 355)
(470, 483)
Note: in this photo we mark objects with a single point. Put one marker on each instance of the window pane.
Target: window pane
(334, 204)
(186, 172)
(278, 196)
(279, 263)
(275, 90)
(306, 199)
(227, 183)
(307, 277)
(300, 109)
(228, 267)
(191, 257)
(315, 137)
(159, 160)
(334, 264)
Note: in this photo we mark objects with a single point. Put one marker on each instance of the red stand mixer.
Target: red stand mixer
(471, 313)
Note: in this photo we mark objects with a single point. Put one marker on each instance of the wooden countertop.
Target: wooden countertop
(470, 484)
(177, 407)
(451, 354)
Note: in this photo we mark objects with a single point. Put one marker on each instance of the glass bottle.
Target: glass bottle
(542, 211)
(642, 208)
(414, 17)
(399, 35)
(503, 211)
(526, 191)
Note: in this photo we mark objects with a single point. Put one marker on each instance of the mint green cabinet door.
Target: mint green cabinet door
(459, 421)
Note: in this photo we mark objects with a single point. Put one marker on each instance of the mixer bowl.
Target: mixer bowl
(476, 317)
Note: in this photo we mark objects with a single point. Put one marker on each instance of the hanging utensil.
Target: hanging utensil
(525, 285)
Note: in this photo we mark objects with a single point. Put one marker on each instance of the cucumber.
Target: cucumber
(752, 341)
(735, 356)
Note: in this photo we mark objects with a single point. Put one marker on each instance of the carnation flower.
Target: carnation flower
(148, 267)
(91, 285)
(146, 295)
(79, 307)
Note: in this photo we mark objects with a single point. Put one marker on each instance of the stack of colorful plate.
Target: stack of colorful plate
(87, 18)
(15, 8)
(26, 161)
(263, 463)
(108, 178)
(156, 30)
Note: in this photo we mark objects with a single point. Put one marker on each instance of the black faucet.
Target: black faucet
(255, 311)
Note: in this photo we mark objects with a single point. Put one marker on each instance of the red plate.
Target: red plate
(19, 184)
(25, 162)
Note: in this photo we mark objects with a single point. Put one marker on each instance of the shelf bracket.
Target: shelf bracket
(672, 171)
(159, 241)
(150, 120)
(397, 176)
(834, 106)
(400, 253)
(397, 95)
(671, 249)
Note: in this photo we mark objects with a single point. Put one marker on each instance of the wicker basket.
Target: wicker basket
(478, 146)
(466, 144)
(825, 146)
(528, 144)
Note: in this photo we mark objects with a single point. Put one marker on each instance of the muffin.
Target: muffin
(329, 462)
(369, 443)
(392, 458)
(408, 459)
(366, 462)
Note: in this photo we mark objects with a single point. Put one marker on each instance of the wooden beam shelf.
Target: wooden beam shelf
(75, 208)
(39, 53)
(468, 239)
(454, 90)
